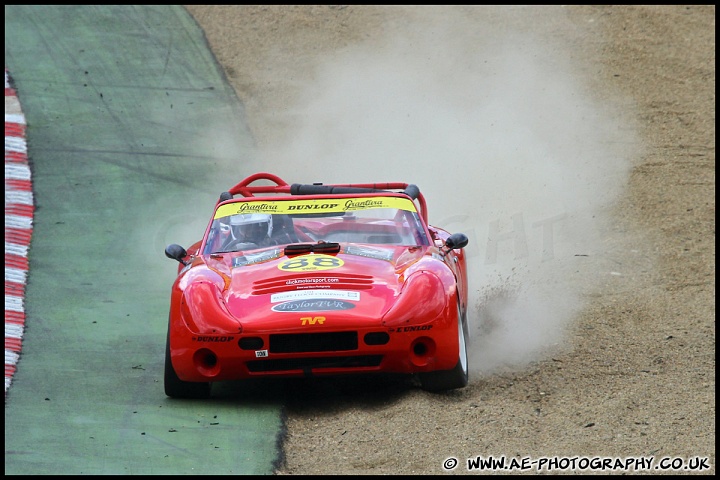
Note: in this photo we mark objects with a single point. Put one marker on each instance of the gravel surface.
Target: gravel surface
(576, 145)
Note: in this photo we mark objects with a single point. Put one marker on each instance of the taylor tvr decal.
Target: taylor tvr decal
(315, 295)
(315, 305)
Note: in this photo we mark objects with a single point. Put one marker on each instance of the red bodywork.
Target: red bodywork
(363, 308)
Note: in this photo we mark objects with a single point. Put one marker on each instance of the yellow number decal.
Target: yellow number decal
(310, 262)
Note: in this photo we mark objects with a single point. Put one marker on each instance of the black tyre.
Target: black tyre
(176, 388)
(457, 377)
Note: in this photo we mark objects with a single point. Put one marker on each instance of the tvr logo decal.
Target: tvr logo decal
(312, 320)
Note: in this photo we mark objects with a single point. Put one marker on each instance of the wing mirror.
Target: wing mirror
(176, 252)
(456, 240)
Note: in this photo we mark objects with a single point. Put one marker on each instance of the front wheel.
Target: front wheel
(174, 387)
(456, 377)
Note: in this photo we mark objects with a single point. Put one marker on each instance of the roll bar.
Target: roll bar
(280, 186)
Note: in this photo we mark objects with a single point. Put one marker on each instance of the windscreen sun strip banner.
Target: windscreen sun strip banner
(321, 205)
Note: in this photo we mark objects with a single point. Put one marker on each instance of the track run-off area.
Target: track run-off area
(107, 117)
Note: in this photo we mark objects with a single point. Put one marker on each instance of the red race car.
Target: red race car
(295, 280)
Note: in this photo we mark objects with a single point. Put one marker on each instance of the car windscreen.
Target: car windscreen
(249, 224)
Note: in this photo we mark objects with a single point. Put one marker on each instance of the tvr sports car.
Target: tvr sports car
(317, 279)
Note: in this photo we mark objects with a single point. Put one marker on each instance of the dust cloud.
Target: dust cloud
(495, 125)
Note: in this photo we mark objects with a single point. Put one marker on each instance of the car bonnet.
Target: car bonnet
(360, 282)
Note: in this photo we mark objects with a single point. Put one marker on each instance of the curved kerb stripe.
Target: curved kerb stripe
(18, 227)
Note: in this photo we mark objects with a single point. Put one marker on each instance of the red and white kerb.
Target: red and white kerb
(18, 227)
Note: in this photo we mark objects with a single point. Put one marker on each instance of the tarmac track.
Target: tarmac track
(118, 102)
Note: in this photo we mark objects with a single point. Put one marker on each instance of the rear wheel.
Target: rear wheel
(456, 377)
(174, 387)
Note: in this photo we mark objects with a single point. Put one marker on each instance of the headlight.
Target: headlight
(203, 310)
(421, 300)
